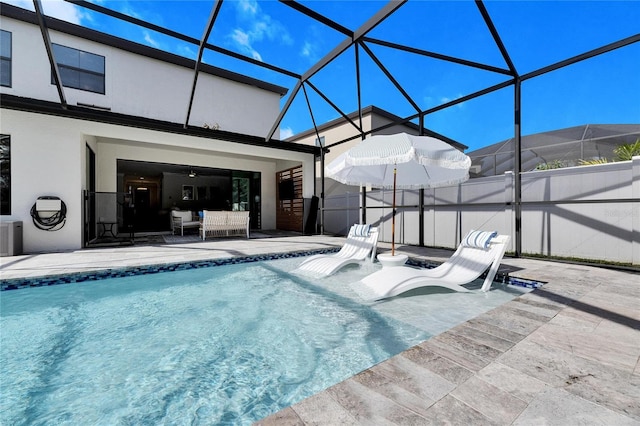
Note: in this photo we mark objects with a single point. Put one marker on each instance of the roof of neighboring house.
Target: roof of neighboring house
(566, 146)
(373, 110)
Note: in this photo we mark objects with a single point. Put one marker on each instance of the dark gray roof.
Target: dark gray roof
(568, 146)
(372, 109)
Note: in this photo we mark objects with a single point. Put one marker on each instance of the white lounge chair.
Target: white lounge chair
(361, 243)
(464, 266)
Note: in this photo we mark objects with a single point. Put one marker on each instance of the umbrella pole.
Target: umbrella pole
(393, 215)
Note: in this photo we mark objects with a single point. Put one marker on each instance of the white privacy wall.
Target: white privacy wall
(588, 212)
(603, 230)
(341, 211)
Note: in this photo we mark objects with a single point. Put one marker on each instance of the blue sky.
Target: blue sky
(602, 90)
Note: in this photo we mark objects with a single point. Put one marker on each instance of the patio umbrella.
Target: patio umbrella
(400, 161)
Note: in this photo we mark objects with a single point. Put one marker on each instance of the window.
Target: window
(79, 69)
(5, 174)
(5, 58)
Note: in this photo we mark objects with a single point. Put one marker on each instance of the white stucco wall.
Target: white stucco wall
(46, 159)
(140, 86)
(333, 135)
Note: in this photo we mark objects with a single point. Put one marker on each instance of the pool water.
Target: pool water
(221, 345)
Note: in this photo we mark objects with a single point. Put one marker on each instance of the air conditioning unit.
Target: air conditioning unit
(10, 238)
(475, 169)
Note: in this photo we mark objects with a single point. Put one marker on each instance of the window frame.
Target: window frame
(5, 175)
(79, 69)
(8, 59)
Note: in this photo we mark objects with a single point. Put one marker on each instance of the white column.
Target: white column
(635, 210)
(509, 209)
(429, 217)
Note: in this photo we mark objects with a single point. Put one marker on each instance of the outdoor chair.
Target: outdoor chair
(477, 252)
(361, 243)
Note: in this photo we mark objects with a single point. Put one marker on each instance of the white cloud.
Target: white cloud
(25, 4)
(186, 51)
(445, 99)
(256, 26)
(249, 7)
(54, 8)
(313, 44)
(150, 41)
(286, 132)
(243, 41)
(308, 50)
(431, 101)
(128, 9)
(63, 10)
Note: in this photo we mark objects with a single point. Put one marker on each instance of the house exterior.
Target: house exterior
(123, 102)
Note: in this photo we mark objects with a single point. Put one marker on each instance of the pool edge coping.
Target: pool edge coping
(146, 269)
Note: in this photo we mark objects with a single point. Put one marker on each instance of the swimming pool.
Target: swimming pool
(203, 346)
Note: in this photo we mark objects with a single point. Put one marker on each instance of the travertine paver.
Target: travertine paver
(468, 360)
(494, 403)
(321, 409)
(610, 387)
(471, 334)
(451, 411)
(392, 389)
(608, 343)
(481, 323)
(556, 407)
(540, 309)
(414, 378)
(369, 406)
(512, 381)
(443, 366)
(568, 353)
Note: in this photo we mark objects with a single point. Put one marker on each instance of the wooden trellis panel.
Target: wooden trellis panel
(290, 205)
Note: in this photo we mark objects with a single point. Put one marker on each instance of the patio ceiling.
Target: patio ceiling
(148, 169)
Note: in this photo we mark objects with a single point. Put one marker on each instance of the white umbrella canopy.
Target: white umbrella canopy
(400, 161)
(421, 162)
